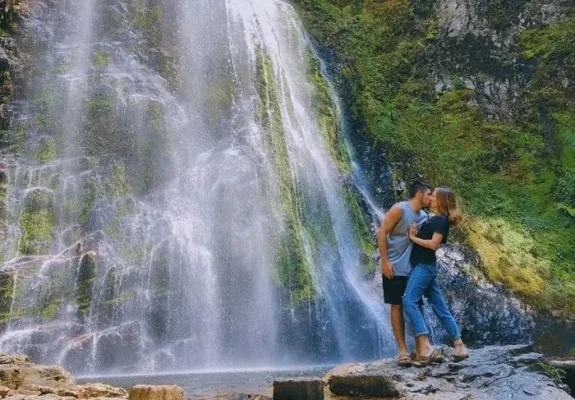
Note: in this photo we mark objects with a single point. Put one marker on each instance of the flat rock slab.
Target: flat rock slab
(166, 392)
(492, 373)
(96, 390)
(298, 389)
(22, 376)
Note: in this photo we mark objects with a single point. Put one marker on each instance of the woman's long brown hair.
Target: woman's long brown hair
(447, 204)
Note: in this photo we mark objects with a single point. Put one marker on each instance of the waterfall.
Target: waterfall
(178, 194)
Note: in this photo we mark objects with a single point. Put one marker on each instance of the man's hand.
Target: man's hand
(387, 269)
(413, 230)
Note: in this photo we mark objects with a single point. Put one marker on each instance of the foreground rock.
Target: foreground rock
(143, 392)
(232, 396)
(506, 372)
(20, 379)
(298, 389)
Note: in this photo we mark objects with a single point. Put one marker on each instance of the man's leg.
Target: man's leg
(398, 325)
(393, 290)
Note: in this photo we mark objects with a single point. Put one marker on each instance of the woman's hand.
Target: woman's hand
(413, 230)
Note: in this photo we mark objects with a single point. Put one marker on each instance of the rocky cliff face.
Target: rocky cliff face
(11, 61)
(479, 48)
(476, 95)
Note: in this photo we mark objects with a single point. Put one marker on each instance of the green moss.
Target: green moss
(169, 66)
(118, 186)
(155, 115)
(88, 200)
(49, 312)
(47, 151)
(326, 114)
(122, 298)
(51, 296)
(148, 18)
(43, 102)
(101, 59)
(154, 153)
(85, 283)
(114, 230)
(6, 292)
(103, 132)
(63, 66)
(37, 223)
(110, 286)
(218, 100)
(10, 18)
(552, 42)
(364, 238)
(293, 269)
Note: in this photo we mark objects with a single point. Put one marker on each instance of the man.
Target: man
(395, 251)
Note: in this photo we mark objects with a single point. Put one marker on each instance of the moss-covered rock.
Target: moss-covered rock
(6, 292)
(47, 150)
(148, 16)
(326, 112)
(293, 269)
(85, 283)
(101, 59)
(362, 233)
(37, 222)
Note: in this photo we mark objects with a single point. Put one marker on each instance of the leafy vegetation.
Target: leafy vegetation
(514, 171)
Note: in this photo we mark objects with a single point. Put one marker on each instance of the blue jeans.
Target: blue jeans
(424, 280)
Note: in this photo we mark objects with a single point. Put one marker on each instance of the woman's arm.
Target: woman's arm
(432, 244)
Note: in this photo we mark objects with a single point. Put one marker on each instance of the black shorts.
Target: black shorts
(394, 288)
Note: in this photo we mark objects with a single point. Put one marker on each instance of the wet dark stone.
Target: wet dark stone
(298, 389)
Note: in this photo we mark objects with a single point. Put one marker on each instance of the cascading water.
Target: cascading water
(178, 200)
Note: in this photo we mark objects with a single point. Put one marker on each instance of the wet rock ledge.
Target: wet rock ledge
(492, 373)
(20, 379)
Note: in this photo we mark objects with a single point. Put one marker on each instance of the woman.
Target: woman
(432, 233)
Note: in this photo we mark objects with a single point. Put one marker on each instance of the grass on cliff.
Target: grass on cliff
(516, 177)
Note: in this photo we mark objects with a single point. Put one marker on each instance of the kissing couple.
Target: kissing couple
(408, 239)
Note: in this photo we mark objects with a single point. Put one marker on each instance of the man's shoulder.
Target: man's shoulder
(397, 207)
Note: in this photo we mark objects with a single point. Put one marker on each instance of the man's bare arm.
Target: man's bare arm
(387, 225)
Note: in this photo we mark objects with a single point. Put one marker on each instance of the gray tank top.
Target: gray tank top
(398, 243)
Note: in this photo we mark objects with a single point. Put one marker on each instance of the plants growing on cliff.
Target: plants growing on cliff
(514, 173)
(37, 222)
(293, 269)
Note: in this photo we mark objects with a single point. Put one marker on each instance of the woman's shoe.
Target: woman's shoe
(403, 360)
(430, 359)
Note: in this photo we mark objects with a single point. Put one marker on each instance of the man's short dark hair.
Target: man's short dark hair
(416, 187)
